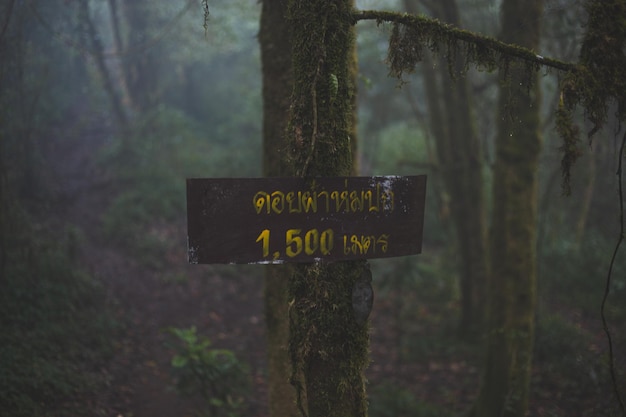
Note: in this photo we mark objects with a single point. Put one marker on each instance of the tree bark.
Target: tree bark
(274, 38)
(512, 285)
(328, 346)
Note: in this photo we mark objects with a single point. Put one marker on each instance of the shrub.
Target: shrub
(214, 374)
(54, 329)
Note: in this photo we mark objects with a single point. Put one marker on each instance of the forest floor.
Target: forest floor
(226, 305)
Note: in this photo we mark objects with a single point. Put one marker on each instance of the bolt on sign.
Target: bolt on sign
(277, 220)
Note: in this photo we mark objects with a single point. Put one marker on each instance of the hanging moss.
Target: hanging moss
(595, 83)
(570, 134)
(602, 55)
(412, 33)
(599, 81)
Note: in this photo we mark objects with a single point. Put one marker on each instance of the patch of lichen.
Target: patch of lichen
(328, 348)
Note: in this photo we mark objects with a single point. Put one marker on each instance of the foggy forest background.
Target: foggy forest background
(107, 106)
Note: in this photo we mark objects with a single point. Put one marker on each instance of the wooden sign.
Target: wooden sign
(276, 220)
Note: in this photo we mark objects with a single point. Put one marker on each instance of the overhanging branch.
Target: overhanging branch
(452, 33)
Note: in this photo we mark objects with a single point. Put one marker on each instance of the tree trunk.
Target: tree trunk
(512, 286)
(328, 346)
(460, 163)
(275, 45)
(115, 27)
(97, 50)
(141, 68)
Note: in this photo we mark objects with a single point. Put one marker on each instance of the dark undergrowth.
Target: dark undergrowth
(54, 329)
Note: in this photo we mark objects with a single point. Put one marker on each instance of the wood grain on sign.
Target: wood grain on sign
(276, 220)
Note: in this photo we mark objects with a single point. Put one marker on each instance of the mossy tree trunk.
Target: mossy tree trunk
(275, 45)
(460, 164)
(512, 286)
(328, 346)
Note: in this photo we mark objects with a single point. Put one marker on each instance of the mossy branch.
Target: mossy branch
(436, 32)
(593, 83)
(411, 34)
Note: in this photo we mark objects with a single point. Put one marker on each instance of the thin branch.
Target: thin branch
(450, 31)
(608, 279)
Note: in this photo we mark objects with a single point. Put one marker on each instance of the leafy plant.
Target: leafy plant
(214, 374)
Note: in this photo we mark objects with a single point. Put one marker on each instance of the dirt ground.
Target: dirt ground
(226, 305)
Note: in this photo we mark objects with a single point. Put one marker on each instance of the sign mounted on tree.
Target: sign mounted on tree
(277, 220)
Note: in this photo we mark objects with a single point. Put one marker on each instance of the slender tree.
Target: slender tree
(512, 287)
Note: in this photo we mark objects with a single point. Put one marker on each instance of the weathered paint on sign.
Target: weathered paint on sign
(276, 220)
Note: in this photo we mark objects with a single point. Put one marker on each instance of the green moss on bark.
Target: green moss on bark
(329, 349)
(321, 130)
(598, 82)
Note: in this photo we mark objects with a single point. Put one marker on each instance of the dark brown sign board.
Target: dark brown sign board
(277, 220)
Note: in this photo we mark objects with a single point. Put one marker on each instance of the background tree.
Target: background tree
(512, 284)
(142, 63)
(96, 48)
(460, 163)
(274, 38)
